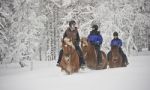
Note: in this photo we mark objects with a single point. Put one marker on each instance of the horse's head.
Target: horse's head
(115, 53)
(67, 47)
(115, 48)
(84, 44)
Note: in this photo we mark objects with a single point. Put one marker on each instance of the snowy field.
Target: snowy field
(46, 76)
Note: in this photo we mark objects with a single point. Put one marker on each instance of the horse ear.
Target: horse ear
(82, 39)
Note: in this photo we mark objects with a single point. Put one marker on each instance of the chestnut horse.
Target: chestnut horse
(70, 58)
(115, 57)
(90, 56)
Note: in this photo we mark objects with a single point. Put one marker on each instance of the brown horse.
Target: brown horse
(115, 57)
(90, 55)
(70, 58)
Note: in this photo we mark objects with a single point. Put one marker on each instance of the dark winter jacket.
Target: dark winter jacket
(116, 42)
(74, 35)
(95, 37)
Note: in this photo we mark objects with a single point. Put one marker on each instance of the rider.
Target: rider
(96, 39)
(72, 33)
(118, 42)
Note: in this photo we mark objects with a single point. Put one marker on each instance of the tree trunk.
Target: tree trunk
(40, 55)
(148, 42)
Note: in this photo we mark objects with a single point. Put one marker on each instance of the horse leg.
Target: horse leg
(108, 55)
(64, 65)
(110, 63)
(81, 57)
(68, 72)
(103, 58)
(125, 60)
(69, 69)
(60, 56)
(76, 68)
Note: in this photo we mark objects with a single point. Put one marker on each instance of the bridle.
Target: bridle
(69, 53)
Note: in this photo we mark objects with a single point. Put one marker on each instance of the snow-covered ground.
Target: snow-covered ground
(46, 76)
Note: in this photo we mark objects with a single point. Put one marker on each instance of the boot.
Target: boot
(99, 57)
(82, 63)
(60, 56)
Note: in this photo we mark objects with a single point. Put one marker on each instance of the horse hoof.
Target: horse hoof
(82, 66)
(69, 73)
(127, 64)
(58, 65)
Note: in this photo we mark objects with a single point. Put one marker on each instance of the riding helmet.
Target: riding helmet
(95, 27)
(71, 22)
(115, 34)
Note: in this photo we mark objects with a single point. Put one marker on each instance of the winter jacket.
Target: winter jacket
(116, 42)
(95, 37)
(74, 35)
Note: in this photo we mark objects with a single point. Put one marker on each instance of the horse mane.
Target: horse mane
(87, 43)
(68, 41)
(115, 50)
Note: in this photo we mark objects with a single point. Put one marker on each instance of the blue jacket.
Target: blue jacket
(95, 38)
(116, 42)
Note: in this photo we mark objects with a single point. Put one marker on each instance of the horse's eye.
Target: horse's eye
(66, 45)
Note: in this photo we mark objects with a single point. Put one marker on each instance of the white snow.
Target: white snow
(46, 76)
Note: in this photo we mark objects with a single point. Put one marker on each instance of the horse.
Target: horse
(90, 56)
(70, 59)
(116, 59)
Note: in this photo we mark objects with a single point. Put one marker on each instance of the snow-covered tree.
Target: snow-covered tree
(32, 29)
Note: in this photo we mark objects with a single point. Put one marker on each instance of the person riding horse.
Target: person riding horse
(118, 42)
(72, 34)
(96, 40)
